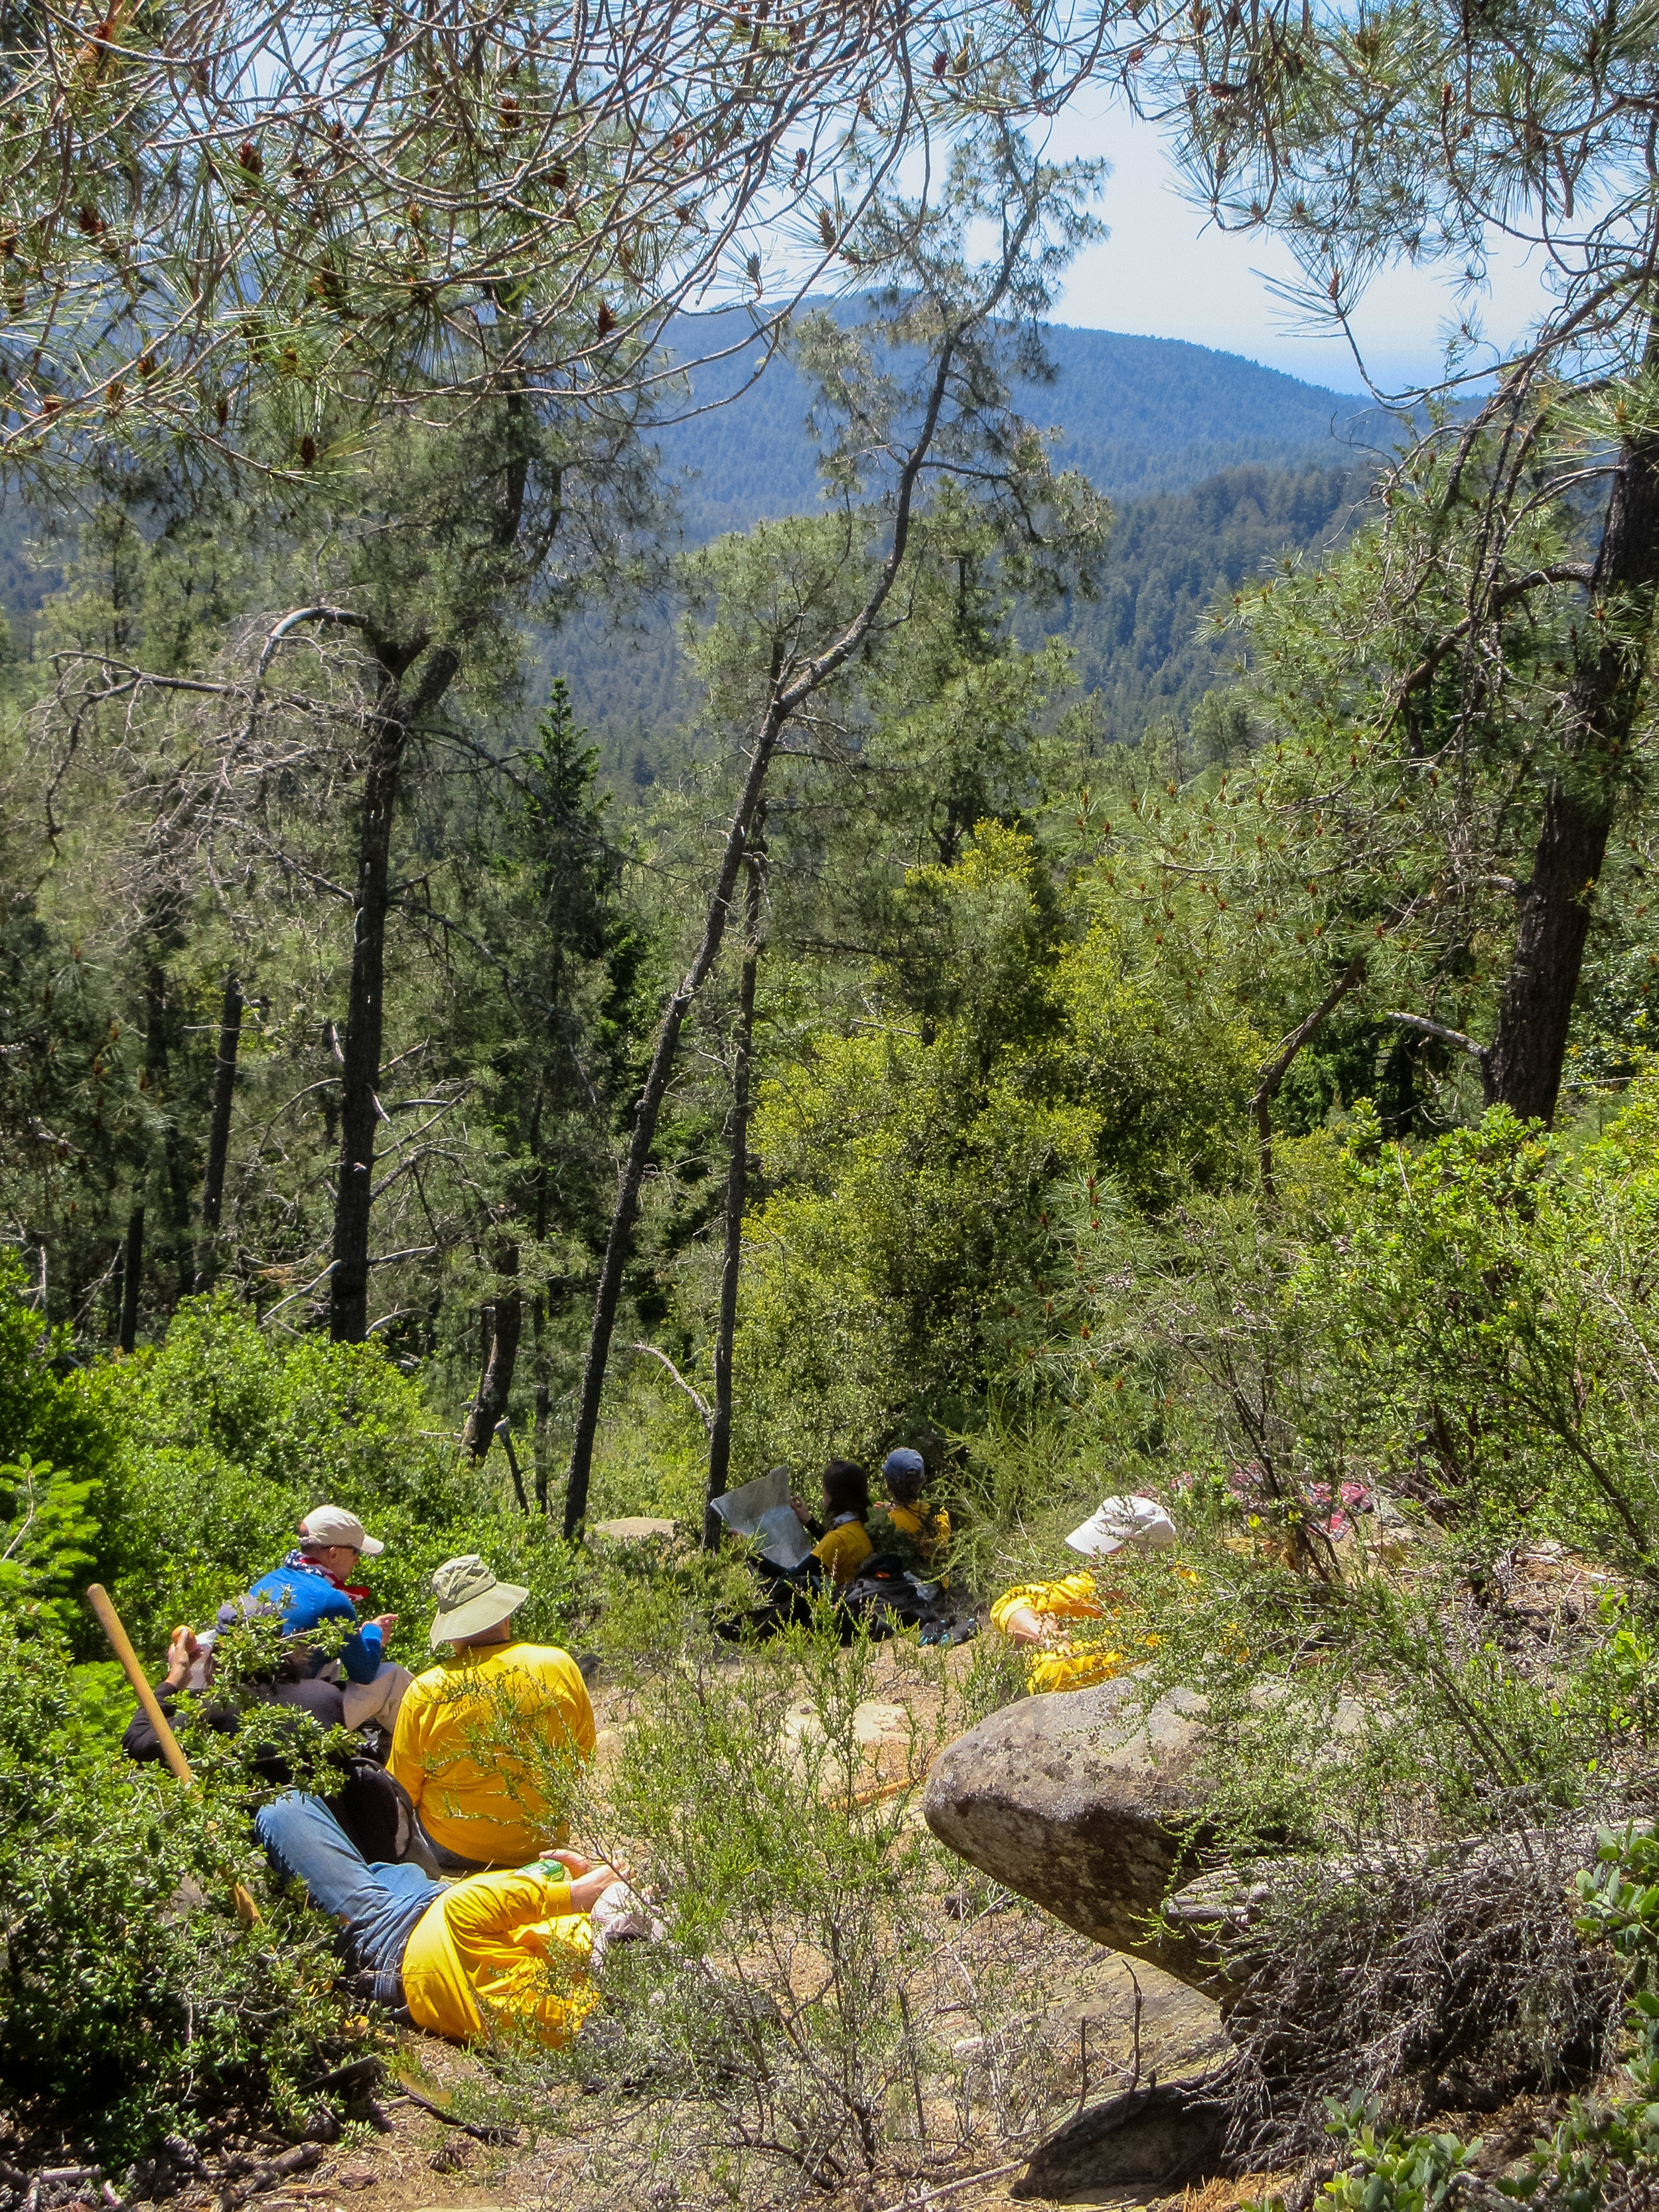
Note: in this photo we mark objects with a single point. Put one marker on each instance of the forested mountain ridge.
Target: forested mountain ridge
(1136, 416)
(1136, 643)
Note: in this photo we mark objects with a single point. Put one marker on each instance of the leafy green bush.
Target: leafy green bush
(230, 1435)
(900, 1262)
(132, 1994)
(58, 1459)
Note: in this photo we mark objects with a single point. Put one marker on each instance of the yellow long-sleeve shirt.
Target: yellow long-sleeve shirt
(1063, 1667)
(452, 1747)
(501, 1949)
(843, 1550)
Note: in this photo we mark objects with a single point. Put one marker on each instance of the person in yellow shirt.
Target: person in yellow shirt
(1035, 1615)
(480, 1804)
(845, 1544)
(515, 1949)
(927, 1527)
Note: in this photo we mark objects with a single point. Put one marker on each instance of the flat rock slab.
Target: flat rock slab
(1079, 1802)
(634, 1528)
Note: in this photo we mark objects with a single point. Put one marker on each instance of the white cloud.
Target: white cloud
(1164, 274)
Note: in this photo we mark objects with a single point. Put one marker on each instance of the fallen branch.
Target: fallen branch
(480, 2129)
(701, 1404)
(275, 2170)
(908, 2203)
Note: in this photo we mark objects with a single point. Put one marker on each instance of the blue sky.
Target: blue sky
(1164, 274)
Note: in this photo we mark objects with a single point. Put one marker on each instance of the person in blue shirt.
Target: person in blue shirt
(309, 1587)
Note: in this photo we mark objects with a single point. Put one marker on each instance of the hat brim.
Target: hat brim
(1094, 1542)
(371, 1546)
(477, 1614)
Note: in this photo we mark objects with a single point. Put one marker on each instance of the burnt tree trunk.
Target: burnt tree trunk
(132, 1269)
(360, 1074)
(1522, 1065)
(736, 1183)
(158, 1056)
(495, 1384)
(224, 1092)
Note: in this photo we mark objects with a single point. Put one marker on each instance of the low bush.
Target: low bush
(134, 2002)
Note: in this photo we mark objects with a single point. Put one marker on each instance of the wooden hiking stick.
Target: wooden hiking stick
(98, 1598)
(110, 1621)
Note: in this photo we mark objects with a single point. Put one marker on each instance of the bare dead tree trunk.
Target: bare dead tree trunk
(1521, 1067)
(359, 1075)
(737, 1186)
(158, 1056)
(495, 1384)
(132, 1268)
(783, 702)
(224, 1092)
(544, 1445)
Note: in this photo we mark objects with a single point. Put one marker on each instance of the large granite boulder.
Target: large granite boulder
(1086, 1805)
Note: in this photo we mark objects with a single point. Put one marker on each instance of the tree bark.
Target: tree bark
(359, 1075)
(1270, 1077)
(1522, 1065)
(158, 1056)
(737, 1183)
(131, 1274)
(224, 1091)
(543, 1400)
(495, 1384)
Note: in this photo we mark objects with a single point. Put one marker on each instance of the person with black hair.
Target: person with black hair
(845, 1545)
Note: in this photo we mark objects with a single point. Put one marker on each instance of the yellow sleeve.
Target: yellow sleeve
(1072, 1670)
(495, 1905)
(843, 1550)
(1072, 1599)
(578, 1710)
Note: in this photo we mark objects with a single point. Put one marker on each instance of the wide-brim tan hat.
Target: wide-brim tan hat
(471, 1600)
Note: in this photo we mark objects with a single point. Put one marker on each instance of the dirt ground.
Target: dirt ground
(1109, 2012)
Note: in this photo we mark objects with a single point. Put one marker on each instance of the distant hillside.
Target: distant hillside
(1138, 415)
(1170, 555)
(1135, 644)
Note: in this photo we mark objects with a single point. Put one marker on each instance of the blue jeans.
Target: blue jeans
(377, 1907)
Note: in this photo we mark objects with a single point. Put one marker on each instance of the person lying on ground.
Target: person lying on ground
(374, 1811)
(919, 1534)
(844, 1545)
(471, 1959)
(1037, 1614)
(479, 1803)
(310, 1587)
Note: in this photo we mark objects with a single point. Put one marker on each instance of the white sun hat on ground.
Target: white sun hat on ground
(1138, 1520)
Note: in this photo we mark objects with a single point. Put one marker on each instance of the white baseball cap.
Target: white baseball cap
(332, 1525)
(1138, 1521)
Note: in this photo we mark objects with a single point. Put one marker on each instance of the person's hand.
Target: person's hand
(802, 1512)
(384, 1622)
(183, 1652)
(589, 1878)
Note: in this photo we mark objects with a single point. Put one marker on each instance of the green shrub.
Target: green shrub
(132, 1995)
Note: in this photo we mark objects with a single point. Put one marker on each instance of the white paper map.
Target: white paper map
(761, 1511)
